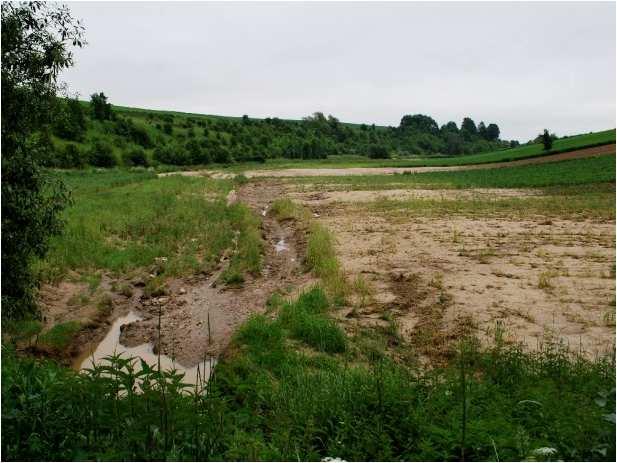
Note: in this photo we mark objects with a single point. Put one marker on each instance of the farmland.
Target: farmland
(347, 314)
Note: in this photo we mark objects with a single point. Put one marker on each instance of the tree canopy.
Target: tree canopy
(36, 37)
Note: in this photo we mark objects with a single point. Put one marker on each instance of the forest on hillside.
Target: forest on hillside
(97, 133)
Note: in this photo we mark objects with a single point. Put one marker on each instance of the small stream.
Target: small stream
(111, 345)
(281, 246)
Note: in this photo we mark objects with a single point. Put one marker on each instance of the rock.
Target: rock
(182, 291)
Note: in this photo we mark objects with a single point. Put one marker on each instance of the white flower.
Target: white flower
(545, 451)
(335, 459)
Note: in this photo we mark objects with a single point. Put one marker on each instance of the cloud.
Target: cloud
(525, 66)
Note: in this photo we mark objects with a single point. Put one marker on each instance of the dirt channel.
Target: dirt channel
(198, 315)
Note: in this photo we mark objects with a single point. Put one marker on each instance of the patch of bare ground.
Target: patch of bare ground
(526, 280)
(320, 198)
(93, 306)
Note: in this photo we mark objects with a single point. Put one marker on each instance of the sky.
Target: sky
(524, 66)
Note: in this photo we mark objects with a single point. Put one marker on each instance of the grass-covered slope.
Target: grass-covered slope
(131, 136)
(598, 169)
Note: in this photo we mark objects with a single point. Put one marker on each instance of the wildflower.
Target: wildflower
(544, 451)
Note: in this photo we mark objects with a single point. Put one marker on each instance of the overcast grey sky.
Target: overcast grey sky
(525, 66)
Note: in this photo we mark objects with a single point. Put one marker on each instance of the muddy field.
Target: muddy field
(434, 279)
(528, 281)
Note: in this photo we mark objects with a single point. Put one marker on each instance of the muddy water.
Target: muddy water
(111, 345)
(281, 245)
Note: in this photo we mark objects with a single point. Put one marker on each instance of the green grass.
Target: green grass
(322, 261)
(307, 322)
(270, 401)
(125, 220)
(60, 335)
(598, 169)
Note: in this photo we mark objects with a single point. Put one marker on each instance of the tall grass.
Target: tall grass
(321, 259)
(270, 401)
(122, 220)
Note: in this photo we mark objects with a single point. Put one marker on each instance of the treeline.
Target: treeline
(98, 134)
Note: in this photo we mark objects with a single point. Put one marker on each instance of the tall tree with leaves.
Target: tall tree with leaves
(101, 109)
(492, 132)
(547, 140)
(35, 47)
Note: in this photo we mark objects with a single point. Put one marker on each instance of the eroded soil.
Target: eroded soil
(527, 281)
(200, 315)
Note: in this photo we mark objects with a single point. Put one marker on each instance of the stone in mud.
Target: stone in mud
(182, 291)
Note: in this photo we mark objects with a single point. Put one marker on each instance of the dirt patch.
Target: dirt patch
(525, 281)
(356, 196)
(94, 307)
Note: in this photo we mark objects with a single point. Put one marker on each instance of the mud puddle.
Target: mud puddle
(110, 345)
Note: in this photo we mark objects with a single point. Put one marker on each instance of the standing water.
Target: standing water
(110, 345)
(281, 246)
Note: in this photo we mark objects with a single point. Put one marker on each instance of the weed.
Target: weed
(321, 259)
(60, 335)
(545, 280)
(105, 305)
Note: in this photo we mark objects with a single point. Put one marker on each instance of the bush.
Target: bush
(378, 152)
(101, 154)
(172, 153)
(135, 156)
(70, 157)
(222, 155)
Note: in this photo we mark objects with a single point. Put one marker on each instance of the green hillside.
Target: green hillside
(99, 134)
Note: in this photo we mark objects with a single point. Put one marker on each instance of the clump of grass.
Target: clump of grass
(284, 209)
(156, 287)
(105, 305)
(545, 281)
(363, 291)
(60, 335)
(247, 246)
(306, 321)
(232, 276)
(22, 330)
(321, 259)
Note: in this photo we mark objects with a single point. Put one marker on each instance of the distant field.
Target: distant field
(522, 152)
(600, 169)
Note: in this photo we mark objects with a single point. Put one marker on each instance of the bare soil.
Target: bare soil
(320, 198)
(525, 281)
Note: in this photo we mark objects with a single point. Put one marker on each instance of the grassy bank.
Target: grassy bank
(296, 387)
(122, 220)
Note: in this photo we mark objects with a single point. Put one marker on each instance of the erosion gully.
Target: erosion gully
(199, 316)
